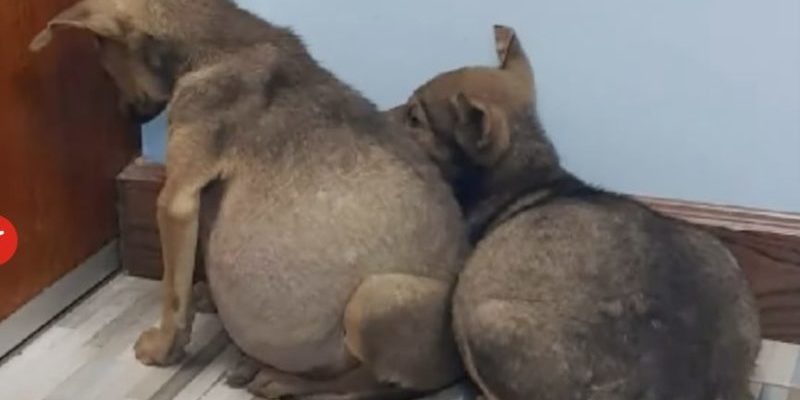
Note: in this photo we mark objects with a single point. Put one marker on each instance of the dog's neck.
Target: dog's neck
(529, 174)
(212, 32)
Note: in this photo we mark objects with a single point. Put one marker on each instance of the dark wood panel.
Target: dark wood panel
(767, 244)
(772, 265)
(62, 143)
(138, 187)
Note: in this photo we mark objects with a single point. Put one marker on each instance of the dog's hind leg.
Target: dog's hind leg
(398, 329)
(400, 326)
(516, 350)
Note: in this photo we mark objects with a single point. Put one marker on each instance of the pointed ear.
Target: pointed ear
(481, 130)
(511, 54)
(88, 15)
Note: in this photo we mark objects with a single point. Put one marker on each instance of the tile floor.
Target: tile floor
(87, 355)
(777, 375)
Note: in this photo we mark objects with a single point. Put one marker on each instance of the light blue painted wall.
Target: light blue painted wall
(688, 99)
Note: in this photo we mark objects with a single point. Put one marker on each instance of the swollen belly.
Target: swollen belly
(281, 268)
(282, 310)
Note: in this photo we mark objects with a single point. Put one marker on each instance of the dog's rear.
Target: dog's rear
(598, 298)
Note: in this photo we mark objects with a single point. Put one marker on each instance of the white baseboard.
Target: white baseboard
(49, 304)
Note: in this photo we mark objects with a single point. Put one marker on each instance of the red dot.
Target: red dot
(8, 240)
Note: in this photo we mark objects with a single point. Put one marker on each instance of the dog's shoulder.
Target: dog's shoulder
(216, 86)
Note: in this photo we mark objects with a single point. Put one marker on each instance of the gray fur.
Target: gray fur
(308, 195)
(573, 292)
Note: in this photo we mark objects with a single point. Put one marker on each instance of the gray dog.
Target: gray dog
(331, 241)
(573, 292)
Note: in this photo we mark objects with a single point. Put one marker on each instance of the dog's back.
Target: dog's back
(300, 139)
(598, 297)
(320, 193)
(325, 204)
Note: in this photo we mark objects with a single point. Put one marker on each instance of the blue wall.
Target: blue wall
(688, 99)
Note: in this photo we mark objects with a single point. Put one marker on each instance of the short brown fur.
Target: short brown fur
(573, 292)
(307, 203)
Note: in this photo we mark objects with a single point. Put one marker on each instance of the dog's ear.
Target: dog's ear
(93, 15)
(481, 129)
(415, 115)
(512, 56)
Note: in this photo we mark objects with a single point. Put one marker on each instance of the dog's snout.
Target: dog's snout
(140, 110)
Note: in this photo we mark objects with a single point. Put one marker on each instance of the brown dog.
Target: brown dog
(573, 292)
(331, 242)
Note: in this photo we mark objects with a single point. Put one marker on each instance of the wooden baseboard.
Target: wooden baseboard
(766, 243)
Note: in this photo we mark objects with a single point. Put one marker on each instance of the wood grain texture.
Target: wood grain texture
(88, 354)
(140, 249)
(766, 243)
(63, 142)
(772, 265)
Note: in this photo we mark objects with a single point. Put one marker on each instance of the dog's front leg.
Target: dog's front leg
(178, 225)
(188, 171)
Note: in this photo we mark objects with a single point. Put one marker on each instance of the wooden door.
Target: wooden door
(62, 142)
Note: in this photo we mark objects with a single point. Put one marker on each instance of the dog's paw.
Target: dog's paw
(270, 386)
(156, 347)
(263, 386)
(243, 373)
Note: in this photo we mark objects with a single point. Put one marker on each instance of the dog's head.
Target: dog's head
(478, 121)
(140, 65)
(479, 124)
